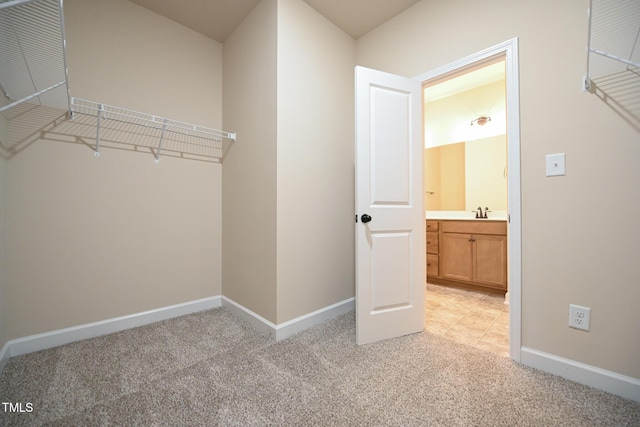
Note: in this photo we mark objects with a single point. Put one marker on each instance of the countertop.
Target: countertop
(466, 216)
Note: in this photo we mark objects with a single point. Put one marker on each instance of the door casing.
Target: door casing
(508, 50)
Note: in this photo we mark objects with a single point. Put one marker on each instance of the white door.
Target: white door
(390, 228)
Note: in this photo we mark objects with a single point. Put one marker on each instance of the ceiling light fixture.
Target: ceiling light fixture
(481, 121)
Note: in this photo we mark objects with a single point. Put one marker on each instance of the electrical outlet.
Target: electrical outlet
(579, 317)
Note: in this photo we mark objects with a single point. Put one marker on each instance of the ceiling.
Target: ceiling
(217, 19)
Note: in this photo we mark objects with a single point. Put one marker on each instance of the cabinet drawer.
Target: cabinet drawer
(475, 227)
(433, 225)
(433, 265)
(432, 242)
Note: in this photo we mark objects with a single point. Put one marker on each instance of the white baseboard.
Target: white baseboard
(5, 354)
(592, 376)
(250, 317)
(611, 382)
(59, 337)
(293, 326)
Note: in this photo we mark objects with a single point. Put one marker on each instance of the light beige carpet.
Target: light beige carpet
(210, 369)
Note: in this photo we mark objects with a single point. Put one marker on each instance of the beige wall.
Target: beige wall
(452, 178)
(288, 186)
(485, 173)
(122, 54)
(447, 120)
(249, 171)
(579, 232)
(315, 187)
(95, 238)
(79, 228)
(432, 174)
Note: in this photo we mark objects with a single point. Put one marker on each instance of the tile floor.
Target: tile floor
(474, 318)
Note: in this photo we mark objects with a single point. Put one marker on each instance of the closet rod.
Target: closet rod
(26, 98)
(614, 57)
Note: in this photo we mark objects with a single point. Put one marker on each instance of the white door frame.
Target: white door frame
(509, 50)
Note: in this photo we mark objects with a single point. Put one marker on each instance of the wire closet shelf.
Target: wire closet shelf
(613, 44)
(158, 134)
(32, 54)
(34, 90)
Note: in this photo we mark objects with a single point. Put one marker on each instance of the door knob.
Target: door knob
(365, 218)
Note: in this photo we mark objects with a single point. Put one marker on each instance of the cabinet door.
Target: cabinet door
(432, 265)
(490, 260)
(432, 243)
(456, 256)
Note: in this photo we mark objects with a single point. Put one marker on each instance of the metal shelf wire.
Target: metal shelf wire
(159, 135)
(613, 38)
(34, 90)
(32, 54)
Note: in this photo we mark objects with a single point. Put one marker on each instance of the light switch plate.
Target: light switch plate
(555, 164)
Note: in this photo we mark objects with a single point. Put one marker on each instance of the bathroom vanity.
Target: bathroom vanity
(468, 253)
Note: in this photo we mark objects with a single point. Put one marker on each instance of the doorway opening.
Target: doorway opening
(465, 158)
(476, 122)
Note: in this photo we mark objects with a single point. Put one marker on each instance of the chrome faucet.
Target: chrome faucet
(479, 213)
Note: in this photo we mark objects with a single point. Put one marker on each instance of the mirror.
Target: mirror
(463, 176)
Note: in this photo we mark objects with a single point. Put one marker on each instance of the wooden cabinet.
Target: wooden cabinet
(457, 263)
(490, 260)
(470, 254)
(433, 248)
